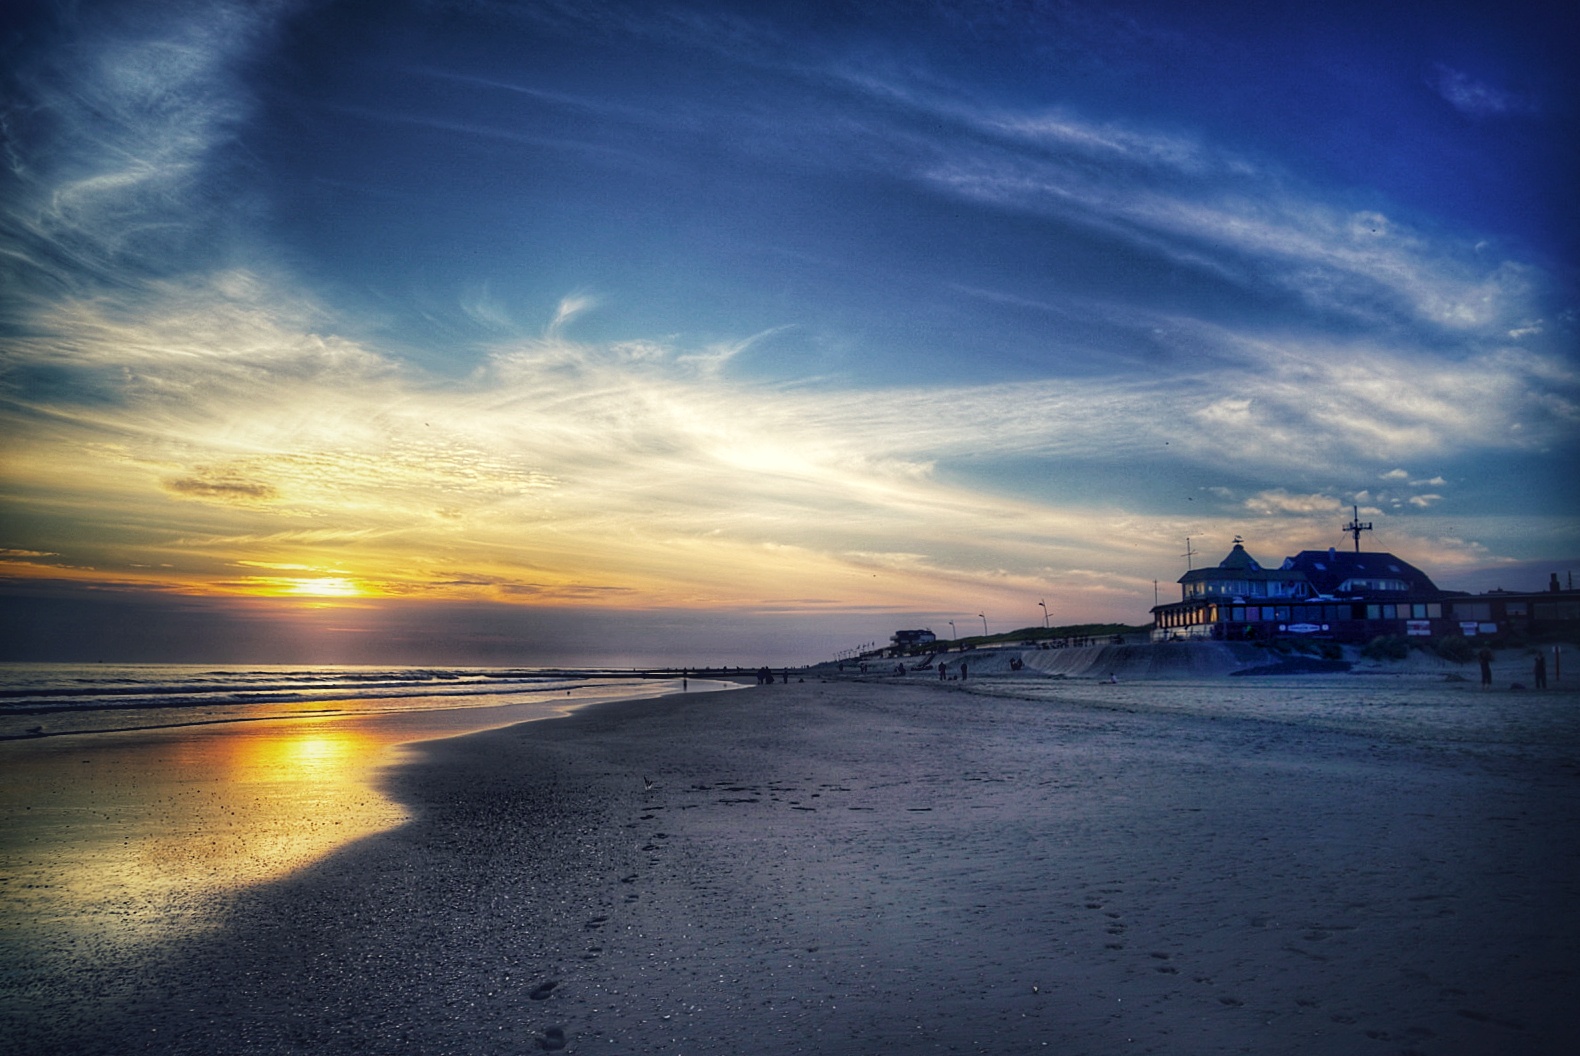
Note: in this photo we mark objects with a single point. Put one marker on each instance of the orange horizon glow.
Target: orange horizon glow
(321, 587)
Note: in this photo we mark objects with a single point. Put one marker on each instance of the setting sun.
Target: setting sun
(322, 587)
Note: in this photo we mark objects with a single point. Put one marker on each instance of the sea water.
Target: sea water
(51, 699)
(135, 798)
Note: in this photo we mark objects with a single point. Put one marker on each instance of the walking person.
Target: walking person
(1485, 656)
(1539, 674)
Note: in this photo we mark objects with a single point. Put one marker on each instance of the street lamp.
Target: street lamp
(1044, 605)
(953, 634)
(984, 624)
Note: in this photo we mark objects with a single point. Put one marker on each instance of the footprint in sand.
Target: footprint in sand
(543, 990)
(596, 922)
(552, 1039)
(1482, 1017)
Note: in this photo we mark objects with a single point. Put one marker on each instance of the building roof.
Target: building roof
(1238, 565)
(1329, 570)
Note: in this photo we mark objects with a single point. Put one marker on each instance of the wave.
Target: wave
(76, 693)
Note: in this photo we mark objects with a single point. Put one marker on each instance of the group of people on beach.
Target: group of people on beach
(765, 676)
(1538, 670)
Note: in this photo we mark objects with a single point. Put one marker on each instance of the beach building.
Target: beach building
(1347, 597)
(1317, 593)
(1530, 613)
(909, 641)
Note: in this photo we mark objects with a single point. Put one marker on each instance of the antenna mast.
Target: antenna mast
(1355, 527)
(1188, 554)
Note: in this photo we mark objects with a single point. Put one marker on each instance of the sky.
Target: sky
(568, 332)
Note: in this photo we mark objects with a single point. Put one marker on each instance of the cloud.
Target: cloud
(123, 180)
(652, 470)
(222, 489)
(569, 308)
(1241, 219)
(203, 415)
(1476, 98)
(1278, 501)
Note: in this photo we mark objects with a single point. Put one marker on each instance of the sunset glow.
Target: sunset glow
(324, 587)
(709, 318)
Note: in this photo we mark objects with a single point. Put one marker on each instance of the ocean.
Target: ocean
(51, 699)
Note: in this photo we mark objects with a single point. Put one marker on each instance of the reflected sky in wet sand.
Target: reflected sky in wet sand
(109, 840)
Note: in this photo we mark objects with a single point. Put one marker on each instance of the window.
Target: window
(1357, 585)
(1558, 610)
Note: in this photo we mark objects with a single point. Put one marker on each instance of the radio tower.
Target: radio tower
(1355, 527)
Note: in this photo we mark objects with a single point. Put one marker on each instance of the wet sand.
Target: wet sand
(865, 867)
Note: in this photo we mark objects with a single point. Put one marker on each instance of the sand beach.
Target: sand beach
(1343, 864)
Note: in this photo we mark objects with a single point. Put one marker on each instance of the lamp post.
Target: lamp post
(954, 635)
(1044, 605)
(984, 624)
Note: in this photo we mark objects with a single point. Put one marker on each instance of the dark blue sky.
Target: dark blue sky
(890, 308)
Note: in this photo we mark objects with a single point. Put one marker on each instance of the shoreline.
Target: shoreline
(855, 867)
(171, 714)
(113, 840)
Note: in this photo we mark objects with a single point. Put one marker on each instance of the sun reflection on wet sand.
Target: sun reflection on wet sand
(109, 841)
(120, 841)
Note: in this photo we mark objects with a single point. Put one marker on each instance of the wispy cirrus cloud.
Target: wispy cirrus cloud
(1477, 98)
(114, 174)
(1246, 225)
(650, 468)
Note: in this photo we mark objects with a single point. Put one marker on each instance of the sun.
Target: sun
(321, 587)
